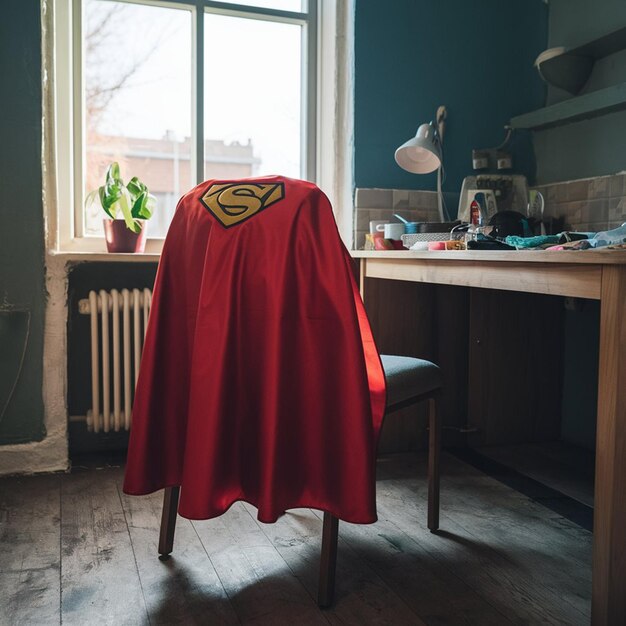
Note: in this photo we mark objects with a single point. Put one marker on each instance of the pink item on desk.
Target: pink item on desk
(380, 243)
(436, 245)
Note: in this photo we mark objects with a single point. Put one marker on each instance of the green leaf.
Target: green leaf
(138, 204)
(136, 187)
(133, 200)
(150, 205)
(105, 202)
(125, 205)
(113, 174)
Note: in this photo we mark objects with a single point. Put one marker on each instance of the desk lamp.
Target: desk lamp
(423, 154)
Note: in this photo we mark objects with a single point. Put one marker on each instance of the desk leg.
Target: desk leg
(362, 270)
(609, 540)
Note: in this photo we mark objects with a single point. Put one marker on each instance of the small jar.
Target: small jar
(504, 160)
(480, 159)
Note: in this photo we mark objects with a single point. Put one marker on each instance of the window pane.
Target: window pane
(138, 71)
(252, 86)
(282, 5)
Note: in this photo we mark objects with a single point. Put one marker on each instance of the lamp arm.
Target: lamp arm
(441, 115)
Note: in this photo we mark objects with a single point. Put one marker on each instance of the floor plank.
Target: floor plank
(430, 589)
(99, 579)
(260, 585)
(361, 597)
(30, 536)
(526, 561)
(564, 467)
(184, 589)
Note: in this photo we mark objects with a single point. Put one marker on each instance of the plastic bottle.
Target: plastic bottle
(609, 237)
(477, 217)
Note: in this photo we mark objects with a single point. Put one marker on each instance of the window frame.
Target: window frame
(69, 116)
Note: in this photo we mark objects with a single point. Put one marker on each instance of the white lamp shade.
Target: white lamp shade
(422, 153)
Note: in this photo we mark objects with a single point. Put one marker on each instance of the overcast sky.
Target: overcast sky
(252, 78)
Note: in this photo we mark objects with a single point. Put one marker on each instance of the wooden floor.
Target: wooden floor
(76, 550)
(562, 466)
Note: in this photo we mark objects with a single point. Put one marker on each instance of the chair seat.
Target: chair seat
(408, 377)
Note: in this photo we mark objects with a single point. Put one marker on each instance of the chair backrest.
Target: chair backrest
(259, 379)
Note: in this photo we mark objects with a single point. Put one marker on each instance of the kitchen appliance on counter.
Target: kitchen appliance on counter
(509, 190)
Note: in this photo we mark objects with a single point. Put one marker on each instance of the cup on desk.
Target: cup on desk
(394, 230)
(378, 226)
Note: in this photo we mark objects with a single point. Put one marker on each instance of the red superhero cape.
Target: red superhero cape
(259, 379)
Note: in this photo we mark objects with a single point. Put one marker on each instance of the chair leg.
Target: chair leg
(434, 448)
(328, 562)
(168, 520)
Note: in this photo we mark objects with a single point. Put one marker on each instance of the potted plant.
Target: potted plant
(133, 201)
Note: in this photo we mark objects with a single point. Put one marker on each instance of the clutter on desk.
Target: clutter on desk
(381, 243)
(506, 198)
(589, 205)
(385, 234)
(531, 242)
(614, 237)
(511, 223)
(582, 244)
(475, 236)
(505, 192)
(377, 226)
(572, 240)
(494, 218)
(563, 241)
(388, 235)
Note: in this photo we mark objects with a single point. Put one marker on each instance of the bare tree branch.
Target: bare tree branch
(100, 47)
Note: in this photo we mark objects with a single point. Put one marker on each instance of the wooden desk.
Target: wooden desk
(597, 275)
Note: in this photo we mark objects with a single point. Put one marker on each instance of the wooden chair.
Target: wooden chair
(409, 381)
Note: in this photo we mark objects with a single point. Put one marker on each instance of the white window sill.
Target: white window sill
(108, 257)
(94, 249)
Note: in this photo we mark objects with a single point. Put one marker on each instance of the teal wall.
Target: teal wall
(573, 22)
(591, 147)
(22, 286)
(474, 57)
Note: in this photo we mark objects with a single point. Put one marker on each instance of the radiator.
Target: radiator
(118, 325)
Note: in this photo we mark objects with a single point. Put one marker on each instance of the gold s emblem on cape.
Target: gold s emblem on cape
(233, 203)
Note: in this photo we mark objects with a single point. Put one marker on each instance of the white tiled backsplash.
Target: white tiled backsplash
(381, 204)
(590, 204)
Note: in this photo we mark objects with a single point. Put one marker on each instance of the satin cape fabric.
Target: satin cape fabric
(259, 379)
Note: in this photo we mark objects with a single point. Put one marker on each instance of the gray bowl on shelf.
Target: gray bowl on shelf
(564, 69)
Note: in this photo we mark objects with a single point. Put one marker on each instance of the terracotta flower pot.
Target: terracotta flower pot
(121, 239)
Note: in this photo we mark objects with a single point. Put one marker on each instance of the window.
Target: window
(178, 92)
(136, 99)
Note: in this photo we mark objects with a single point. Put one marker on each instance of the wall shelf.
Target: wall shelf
(588, 105)
(602, 46)
(569, 68)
